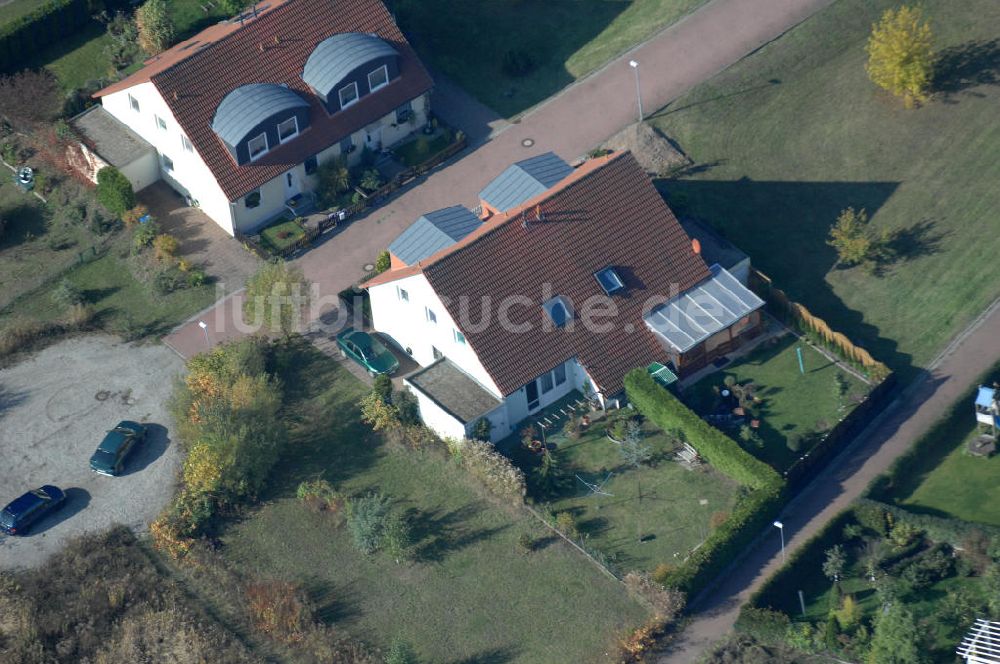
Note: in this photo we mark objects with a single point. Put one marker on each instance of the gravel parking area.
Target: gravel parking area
(55, 408)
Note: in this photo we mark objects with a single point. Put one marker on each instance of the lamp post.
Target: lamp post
(204, 326)
(638, 94)
(781, 529)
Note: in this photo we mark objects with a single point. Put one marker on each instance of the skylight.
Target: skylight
(610, 281)
(558, 311)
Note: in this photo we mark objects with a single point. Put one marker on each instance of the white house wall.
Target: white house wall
(191, 177)
(517, 402)
(437, 418)
(143, 172)
(406, 322)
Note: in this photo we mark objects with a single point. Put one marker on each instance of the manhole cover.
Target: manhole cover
(103, 395)
(368, 267)
(528, 142)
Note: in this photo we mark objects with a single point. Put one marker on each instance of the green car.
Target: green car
(109, 458)
(367, 351)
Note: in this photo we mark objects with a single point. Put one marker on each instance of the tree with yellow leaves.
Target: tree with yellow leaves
(901, 55)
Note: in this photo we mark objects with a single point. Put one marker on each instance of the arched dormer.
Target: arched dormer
(347, 66)
(255, 119)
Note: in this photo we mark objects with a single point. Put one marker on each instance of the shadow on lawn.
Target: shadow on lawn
(969, 65)
(437, 533)
(24, 222)
(494, 656)
(766, 219)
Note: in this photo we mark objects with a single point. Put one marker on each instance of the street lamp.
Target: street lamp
(638, 94)
(204, 326)
(781, 529)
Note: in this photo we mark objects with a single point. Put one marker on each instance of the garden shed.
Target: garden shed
(105, 141)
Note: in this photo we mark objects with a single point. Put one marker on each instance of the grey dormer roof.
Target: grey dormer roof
(525, 180)
(698, 313)
(248, 105)
(433, 232)
(336, 57)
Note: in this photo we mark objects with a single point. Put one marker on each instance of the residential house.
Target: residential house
(574, 278)
(242, 114)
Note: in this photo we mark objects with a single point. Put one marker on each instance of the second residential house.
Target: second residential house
(575, 277)
(242, 114)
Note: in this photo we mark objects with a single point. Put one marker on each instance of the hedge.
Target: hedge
(114, 191)
(872, 514)
(751, 514)
(721, 451)
(23, 38)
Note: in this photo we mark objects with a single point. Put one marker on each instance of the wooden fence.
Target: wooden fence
(790, 311)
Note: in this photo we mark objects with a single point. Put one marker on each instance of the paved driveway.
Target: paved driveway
(55, 408)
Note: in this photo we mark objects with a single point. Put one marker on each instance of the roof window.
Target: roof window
(610, 281)
(558, 310)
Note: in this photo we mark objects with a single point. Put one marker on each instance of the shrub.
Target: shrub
(397, 537)
(667, 412)
(156, 29)
(383, 262)
(525, 543)
(333, 178)
(114, 191)
(143, 236)
(566, 524)
(482, 429)
(319, 496)
(133, 215)
(366, 520)
(662, 572)
(66, 294)
(277, 296)
(378, 414)
(767, 625)
(400, 653)
(900, 54)
(279, 609)
(79, 317)
(666, 602)
(717, 519)
(165, 246)
(169, 280)
(850, 236)
(196, 277)
(371, 180)
(494, 470)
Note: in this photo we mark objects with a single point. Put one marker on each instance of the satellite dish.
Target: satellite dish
(696, 246)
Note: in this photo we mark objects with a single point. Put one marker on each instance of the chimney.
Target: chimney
(175, 95)
(539, 215)
(277, 40)
(261, 47)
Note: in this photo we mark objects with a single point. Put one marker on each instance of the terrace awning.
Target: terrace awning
(985, 397)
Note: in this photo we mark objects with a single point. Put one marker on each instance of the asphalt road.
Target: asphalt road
(55, 408)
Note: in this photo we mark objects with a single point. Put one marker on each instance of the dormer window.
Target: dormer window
(558, 310)
(378, 78)
(610, 281)
(257, 146)
(348, 95)
(288, 129)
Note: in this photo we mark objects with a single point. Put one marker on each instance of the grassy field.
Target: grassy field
(794, 403)
(652, 515)
(469, 595)
(790, 136)
(565, 39)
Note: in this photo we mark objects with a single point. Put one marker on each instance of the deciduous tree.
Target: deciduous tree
(897, 639)
(901, 54)
(156, 28)
(29, 97)
(276, 297)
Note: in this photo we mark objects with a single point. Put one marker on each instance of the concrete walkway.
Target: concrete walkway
(906, 419)
(571, 123)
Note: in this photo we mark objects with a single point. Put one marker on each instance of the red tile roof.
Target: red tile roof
(273, 48)
(607, 213)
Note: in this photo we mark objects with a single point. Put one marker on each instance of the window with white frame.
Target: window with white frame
(402, 294)
(378, 78)
(459, 338)
(134, 103)
(168, 163)
(431, 316)
(545, 382)
(348, 95)
(288, 129)
(186, 144)
(559, 374)
(257, 146)
(404, 112)
(160, 122)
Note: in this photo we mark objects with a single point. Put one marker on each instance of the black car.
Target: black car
(109, 457)
(16, 518)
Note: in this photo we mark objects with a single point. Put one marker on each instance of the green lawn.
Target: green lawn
(281, 236)
(18, 8)
(470, 595)
(793, 402)
(653, 515)
(565, 39)
(788, 137)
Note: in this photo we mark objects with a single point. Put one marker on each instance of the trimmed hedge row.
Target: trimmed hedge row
(751, 514)
(873, 514)
(22, 38)
(721, 451)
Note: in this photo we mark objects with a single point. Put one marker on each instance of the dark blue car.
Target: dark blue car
(16, 518)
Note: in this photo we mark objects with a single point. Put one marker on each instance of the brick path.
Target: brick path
(571, 123)
(922, 403)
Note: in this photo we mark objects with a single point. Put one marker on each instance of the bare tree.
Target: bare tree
(29, 97)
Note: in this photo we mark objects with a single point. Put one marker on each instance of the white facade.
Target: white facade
(180, 165)
(409, 311)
